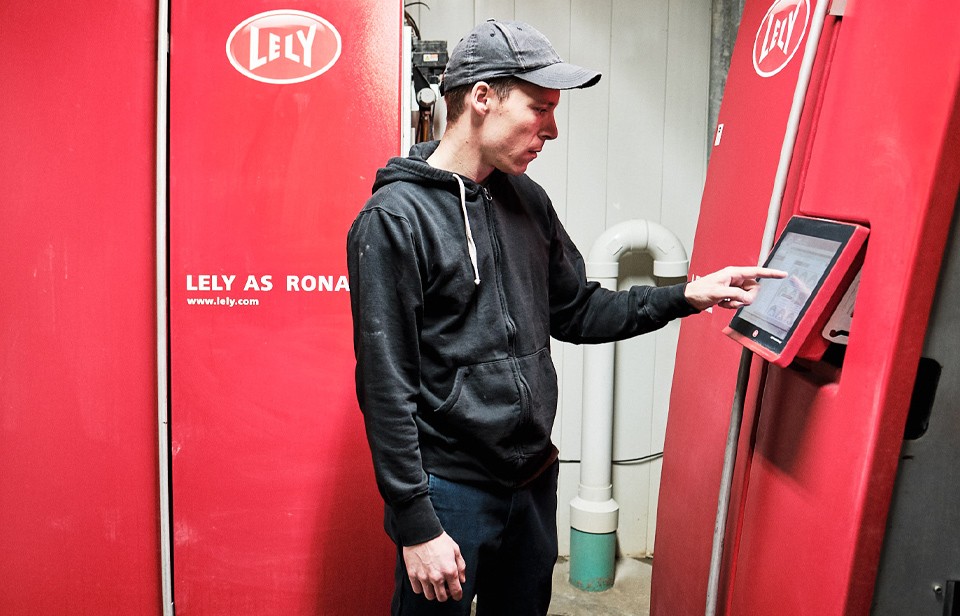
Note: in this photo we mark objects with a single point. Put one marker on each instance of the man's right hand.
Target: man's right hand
(436, 569)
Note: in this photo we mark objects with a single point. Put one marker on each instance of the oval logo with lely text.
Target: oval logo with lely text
(283, 46)
(779, 36)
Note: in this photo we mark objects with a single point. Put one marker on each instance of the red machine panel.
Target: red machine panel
(751, 127)
(79, 512)
(279, 118)
(818, 455)
(828, 442)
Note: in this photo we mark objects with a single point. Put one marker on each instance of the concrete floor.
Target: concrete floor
(630, 595)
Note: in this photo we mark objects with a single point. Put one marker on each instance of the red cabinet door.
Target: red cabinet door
(79, 485)
(278, 121)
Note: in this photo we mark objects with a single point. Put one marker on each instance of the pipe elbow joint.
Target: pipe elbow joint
(669, 257)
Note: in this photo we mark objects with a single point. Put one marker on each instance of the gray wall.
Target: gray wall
(634, 146)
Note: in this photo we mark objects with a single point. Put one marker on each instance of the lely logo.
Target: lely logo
(284, 46)
(779, 36)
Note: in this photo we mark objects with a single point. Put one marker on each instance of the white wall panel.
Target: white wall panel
(685, 119)
(637, 84)
(494, 9)
(634, 146)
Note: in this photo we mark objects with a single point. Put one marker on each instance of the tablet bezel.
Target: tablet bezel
(753, 335)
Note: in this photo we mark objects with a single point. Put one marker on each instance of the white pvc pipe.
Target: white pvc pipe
(594, 510)
(766, 244)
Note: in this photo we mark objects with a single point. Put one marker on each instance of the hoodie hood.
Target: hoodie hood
(416, 170)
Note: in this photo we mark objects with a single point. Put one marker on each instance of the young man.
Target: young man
(460, 272)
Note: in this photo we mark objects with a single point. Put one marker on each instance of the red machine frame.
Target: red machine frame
(818, 453)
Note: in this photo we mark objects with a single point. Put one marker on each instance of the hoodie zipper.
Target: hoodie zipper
(511, 326)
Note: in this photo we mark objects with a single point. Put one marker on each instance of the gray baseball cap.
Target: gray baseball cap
(512, 49)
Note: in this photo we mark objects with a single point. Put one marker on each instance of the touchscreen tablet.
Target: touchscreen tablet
(817, 255)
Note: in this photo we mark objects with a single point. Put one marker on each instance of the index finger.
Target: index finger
(761, 272)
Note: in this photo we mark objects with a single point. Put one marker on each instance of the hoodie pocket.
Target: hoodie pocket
(504, 408)
(484, 405)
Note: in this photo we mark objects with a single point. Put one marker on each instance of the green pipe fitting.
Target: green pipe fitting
(593, 560)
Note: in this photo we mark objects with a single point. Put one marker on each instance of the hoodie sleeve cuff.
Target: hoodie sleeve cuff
(686, 305)
(416, 521)
(664, 304)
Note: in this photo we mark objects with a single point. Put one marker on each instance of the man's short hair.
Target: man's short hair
(456, 98)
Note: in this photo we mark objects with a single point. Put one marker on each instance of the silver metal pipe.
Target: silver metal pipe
(163, 377)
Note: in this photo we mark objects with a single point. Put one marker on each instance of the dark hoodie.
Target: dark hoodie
(456, 289)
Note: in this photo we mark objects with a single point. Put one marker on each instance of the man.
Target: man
(460, 272)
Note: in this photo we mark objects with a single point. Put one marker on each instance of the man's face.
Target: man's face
(517, 126)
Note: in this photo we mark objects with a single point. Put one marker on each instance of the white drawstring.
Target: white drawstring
(471, 245)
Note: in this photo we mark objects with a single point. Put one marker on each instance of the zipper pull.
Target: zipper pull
(486, 194)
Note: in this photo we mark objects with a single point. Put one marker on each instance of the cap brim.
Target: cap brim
(561, 76)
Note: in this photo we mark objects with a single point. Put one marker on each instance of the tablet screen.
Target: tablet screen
(781, 301)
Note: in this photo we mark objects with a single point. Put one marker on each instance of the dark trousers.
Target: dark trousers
(508, 539)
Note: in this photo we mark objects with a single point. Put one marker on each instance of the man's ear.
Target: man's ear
(480, 97)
